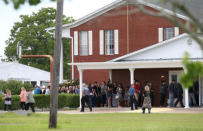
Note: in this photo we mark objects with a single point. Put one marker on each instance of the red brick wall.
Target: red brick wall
(90, 76)
(143, 32)
(143, 75)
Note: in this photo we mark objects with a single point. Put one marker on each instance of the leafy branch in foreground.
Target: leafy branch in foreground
(194, 69)
(17, 3)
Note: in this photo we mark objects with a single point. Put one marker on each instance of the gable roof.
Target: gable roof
(149, 47)
(115, 4)
(194, 6)
(17, 71)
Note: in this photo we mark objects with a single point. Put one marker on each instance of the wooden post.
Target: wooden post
(57, 52)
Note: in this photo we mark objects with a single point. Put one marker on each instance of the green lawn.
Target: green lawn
(97, 122)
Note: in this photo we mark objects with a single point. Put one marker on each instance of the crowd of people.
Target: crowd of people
(62, 89)
(107, 94)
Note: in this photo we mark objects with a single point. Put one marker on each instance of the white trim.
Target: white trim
(162, 9)
(101, 42)
(150, 47)
(127, 65)
(116, 41)
(112, 6)
(95, 13)
(90, 42)
(176, 31)
(160, 34)
(75, 42)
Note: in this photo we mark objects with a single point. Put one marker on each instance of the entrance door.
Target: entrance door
(174, 75)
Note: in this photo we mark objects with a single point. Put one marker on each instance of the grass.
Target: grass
(100, 122)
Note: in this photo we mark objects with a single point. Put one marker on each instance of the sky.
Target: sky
(74, 8)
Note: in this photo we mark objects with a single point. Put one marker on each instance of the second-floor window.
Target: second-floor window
(83, 43)
(109, 42)
(168, 33)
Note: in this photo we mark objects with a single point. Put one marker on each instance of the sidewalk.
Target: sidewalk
(127, 110)
(102, 110)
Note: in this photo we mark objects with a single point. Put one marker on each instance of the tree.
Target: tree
(55, 81)
(57, 48)
(31, 32)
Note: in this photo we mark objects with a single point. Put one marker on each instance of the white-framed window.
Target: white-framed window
(83, 43)
(109, 42)
(168, 33)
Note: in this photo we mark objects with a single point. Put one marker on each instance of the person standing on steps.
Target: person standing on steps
(171, 90)
(179, 92)
(132, 95)
(163, 89)
(147, 100)
(85, 98)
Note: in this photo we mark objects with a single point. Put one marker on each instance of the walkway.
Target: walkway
(127, 110)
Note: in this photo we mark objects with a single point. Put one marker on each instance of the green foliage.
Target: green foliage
(17, 3)
(193, 71)
(15, 100)
(31, 32)
(43, 101)
(14, 86)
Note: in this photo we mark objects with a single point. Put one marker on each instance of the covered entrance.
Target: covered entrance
(149, 64)
(127, 72)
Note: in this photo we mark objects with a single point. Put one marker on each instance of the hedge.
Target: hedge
(14, 86)
(43, 101)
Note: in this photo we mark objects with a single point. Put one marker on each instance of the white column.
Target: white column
(110, 75)
(186, 98)
(132, 75)
(81, 80)
(186, 94)
(61, 65)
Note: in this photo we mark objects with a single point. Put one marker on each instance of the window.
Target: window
(168, 33)
(83, 43)
(109, 42)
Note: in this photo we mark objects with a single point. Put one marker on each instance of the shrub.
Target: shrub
(15, 102)
(43, 101)
(14, 86)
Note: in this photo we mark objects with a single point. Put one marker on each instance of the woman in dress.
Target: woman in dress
(7, 101)
(147, 100)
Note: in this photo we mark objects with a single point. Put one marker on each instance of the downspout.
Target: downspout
(127, 21)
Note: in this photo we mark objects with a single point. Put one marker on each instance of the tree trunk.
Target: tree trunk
(55, 81)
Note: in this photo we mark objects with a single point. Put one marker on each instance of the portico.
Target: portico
(164, 55)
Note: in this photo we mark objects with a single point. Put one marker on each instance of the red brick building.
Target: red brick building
(121, 43)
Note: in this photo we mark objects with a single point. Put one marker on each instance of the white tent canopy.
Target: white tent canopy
(16, 71)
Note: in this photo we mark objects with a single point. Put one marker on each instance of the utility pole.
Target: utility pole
(57, 53)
